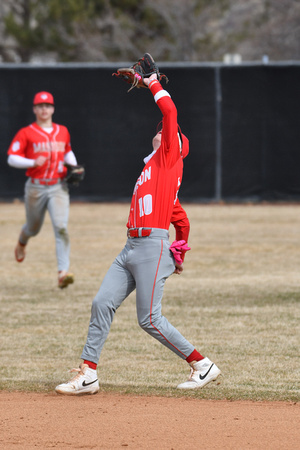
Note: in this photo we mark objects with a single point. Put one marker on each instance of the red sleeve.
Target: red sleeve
(181, 224)
(18, 145)
(68, 147)
(169, 112)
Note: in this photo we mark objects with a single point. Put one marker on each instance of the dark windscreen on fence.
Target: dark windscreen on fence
(242, 123)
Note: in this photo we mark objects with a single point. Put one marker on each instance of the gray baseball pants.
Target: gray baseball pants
(55, 199)
(144, 264)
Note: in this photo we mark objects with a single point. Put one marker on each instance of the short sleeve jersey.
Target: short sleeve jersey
(155, 192)
(33, 141)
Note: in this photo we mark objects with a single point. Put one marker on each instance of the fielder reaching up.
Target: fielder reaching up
(147, 259)
(42, 148)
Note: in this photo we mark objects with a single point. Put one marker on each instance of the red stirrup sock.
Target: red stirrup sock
(194, 356)
(90, 364)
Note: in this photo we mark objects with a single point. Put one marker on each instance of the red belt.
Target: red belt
(138, 232)
(46, 182)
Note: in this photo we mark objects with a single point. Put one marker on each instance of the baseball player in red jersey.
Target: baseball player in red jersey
(42, 148)
(146, 261)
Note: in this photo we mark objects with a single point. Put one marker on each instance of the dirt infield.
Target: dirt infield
(112, 421)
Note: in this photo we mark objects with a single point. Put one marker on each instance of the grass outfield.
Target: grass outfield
(237, 301)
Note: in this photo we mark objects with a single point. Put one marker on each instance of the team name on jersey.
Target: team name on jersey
(48, 147)
(143, 178)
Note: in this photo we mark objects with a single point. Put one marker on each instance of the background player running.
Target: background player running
(42, 148)
(146, 261)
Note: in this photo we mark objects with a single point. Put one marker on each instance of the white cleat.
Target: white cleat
(202, 372)
(85, 382)
(64, 279)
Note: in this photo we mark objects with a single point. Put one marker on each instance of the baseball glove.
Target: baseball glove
(75, 174)
(143, 68)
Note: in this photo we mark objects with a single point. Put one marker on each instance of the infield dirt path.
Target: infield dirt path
(111, 421)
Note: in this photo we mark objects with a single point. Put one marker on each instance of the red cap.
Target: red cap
(43, 97)
(185, 148)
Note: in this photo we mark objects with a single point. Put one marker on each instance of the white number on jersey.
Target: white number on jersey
(60, 166)
(145, 205)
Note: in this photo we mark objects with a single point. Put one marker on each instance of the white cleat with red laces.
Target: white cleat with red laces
(202, 373)
(85, 382)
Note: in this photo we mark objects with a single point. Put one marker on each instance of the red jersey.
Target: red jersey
(155, 192)
(33, 141)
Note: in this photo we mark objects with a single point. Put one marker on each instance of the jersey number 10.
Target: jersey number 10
(145, 205)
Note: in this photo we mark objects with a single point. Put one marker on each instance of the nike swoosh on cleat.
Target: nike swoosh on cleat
(87, 384)
(205, 375)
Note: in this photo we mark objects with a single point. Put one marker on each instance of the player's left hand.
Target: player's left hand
(178, 268)
(75, 174)
(147, 81)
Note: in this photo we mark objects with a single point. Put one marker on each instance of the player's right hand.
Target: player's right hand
(40, 161)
